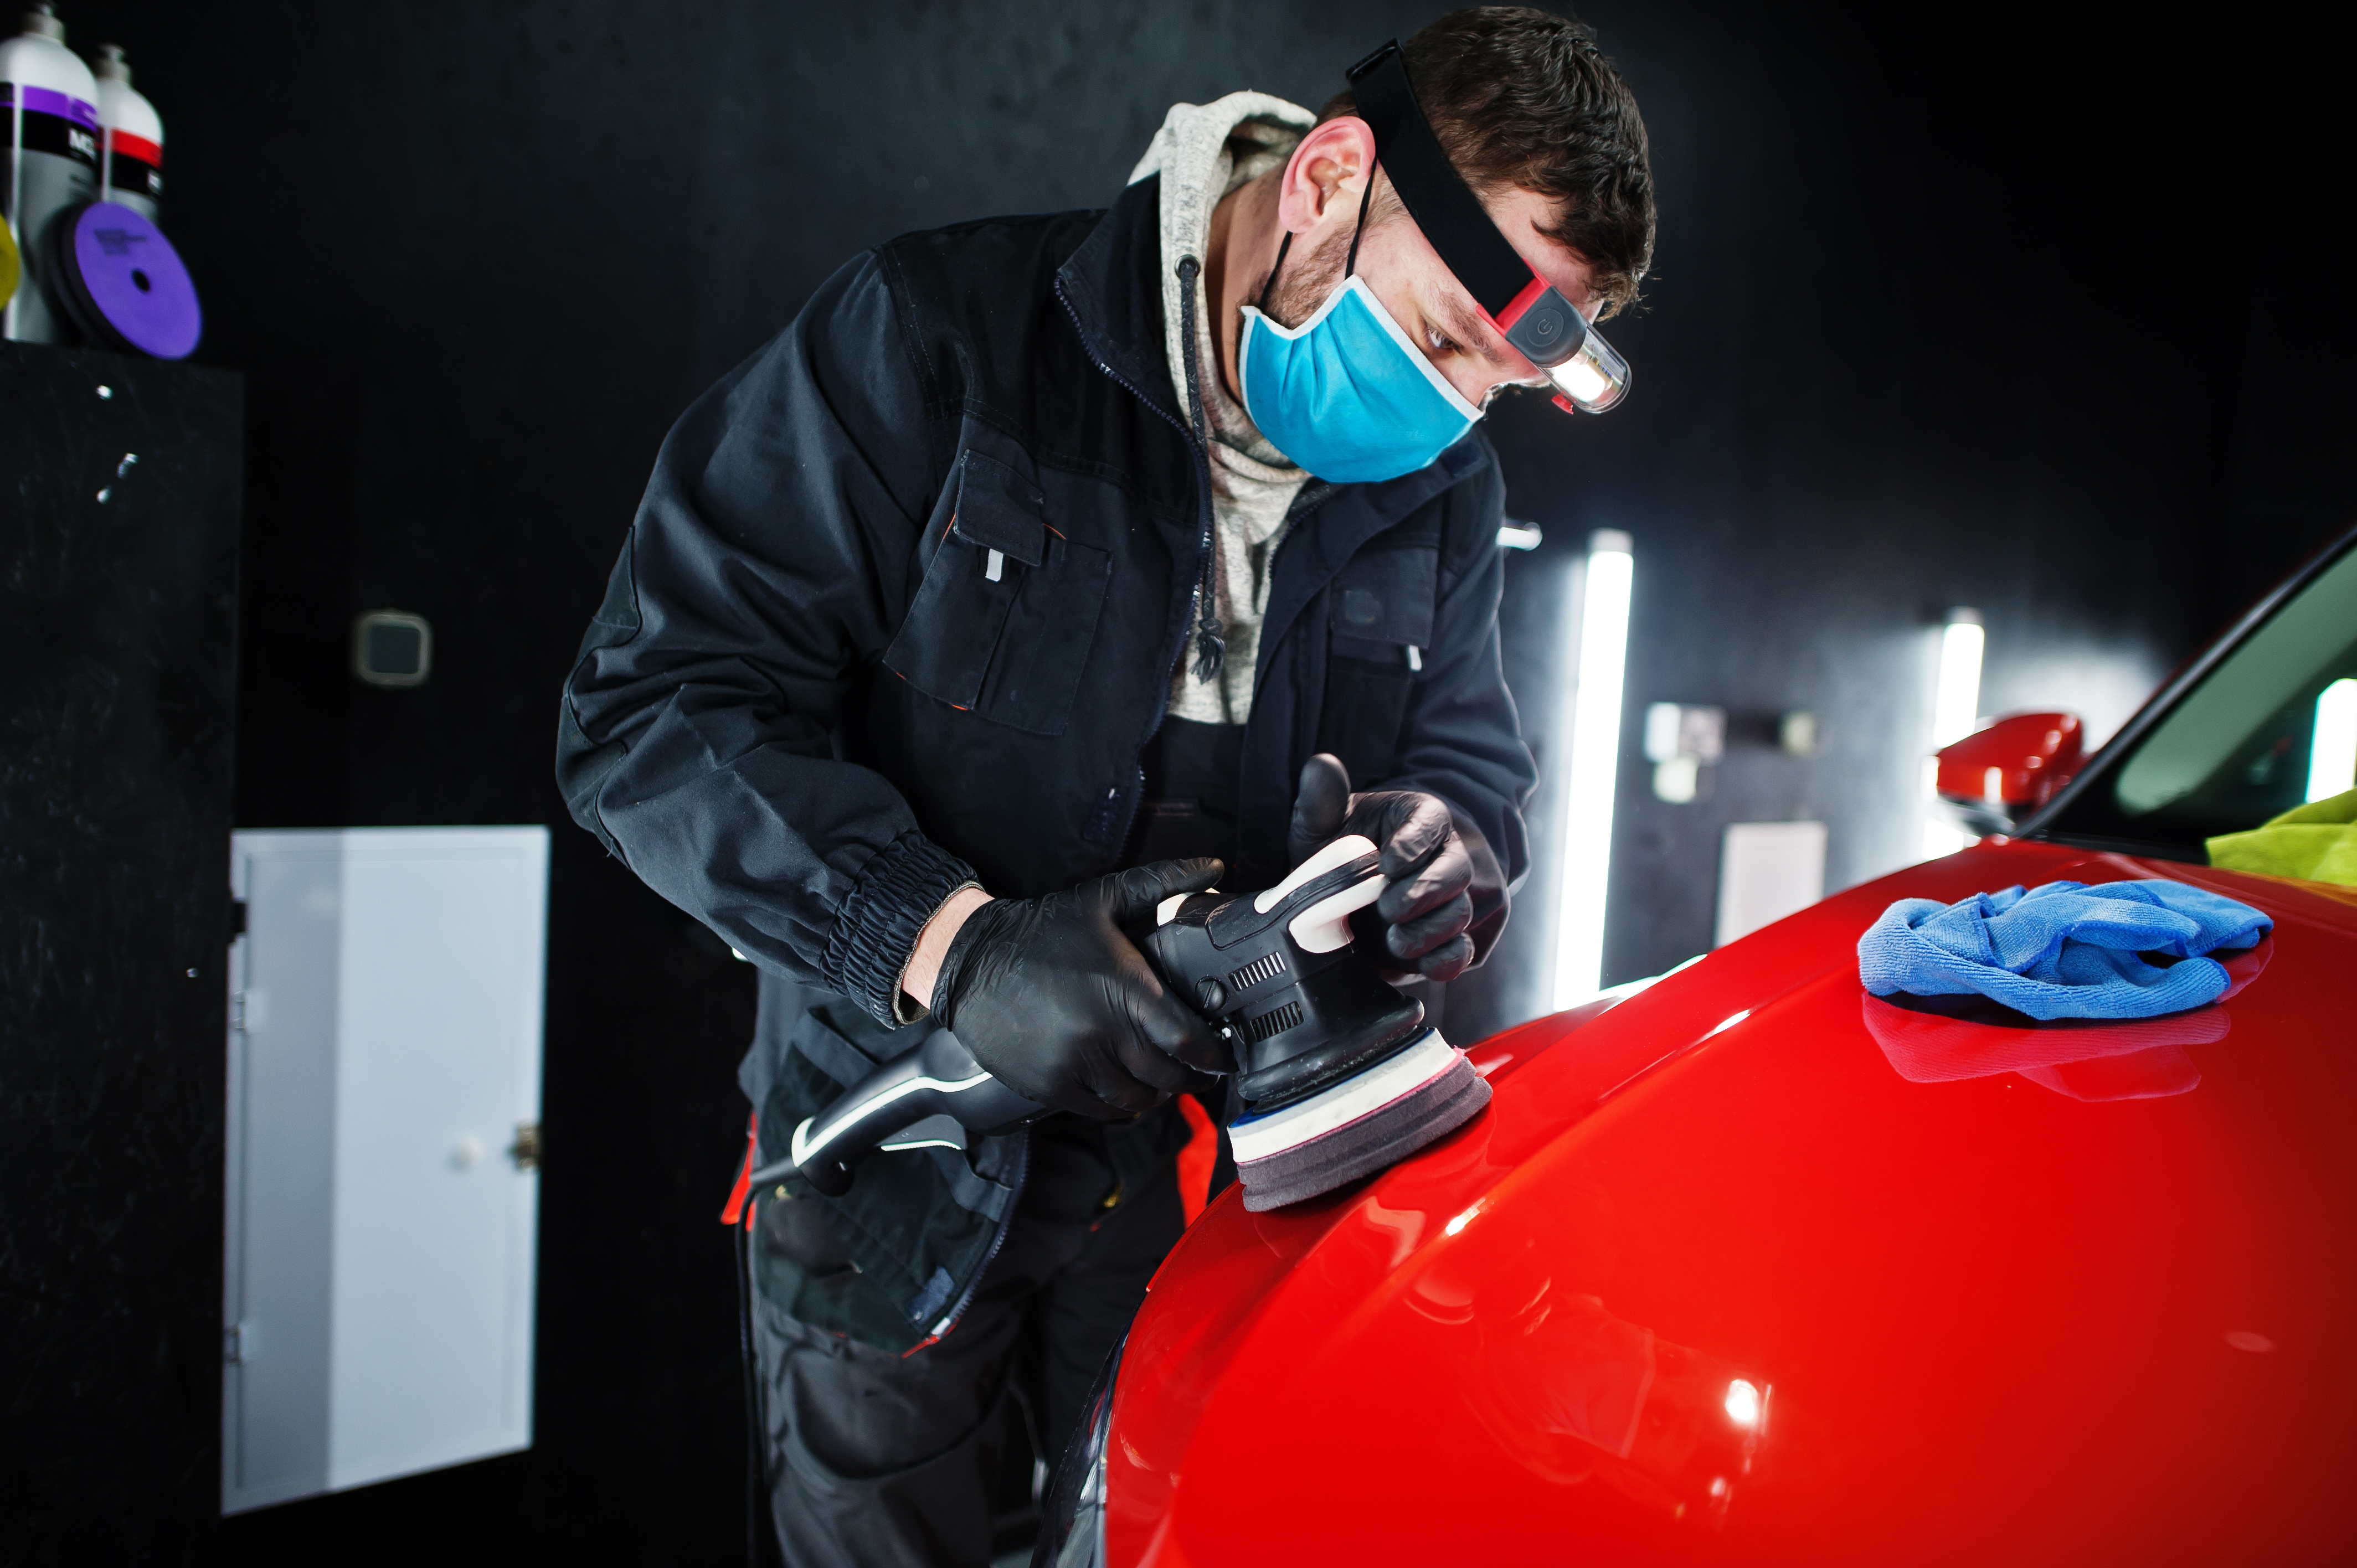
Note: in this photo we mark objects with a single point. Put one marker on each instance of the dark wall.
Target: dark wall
(118, 621)
(1920, 334)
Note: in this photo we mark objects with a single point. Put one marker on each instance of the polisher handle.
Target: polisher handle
(940, 1077)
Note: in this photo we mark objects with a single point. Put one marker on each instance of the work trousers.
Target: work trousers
(877, 1458)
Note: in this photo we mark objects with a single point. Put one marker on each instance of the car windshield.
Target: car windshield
(2268, 726)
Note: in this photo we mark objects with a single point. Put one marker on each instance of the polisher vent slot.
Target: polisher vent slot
(1267, 965)
(1275, 1021)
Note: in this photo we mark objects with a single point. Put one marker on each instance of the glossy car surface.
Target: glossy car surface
(2039, 1312)
(1754, 1267)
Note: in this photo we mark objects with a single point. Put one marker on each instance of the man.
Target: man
(1041, 548)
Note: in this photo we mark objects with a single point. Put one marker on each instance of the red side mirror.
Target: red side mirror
(2014, 766)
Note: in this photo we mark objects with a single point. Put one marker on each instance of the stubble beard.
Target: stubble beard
(1306, 281)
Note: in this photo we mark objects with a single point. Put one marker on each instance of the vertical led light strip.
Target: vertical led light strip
(2332, 746)
(1956, 708)
(1959, 702)
(1594, 733)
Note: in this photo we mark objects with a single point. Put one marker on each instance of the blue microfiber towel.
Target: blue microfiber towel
(2062, 950)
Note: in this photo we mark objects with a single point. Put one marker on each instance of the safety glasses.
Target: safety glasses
(1587, 373)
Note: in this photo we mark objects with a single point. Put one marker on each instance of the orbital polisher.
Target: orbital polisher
(1338, 1075)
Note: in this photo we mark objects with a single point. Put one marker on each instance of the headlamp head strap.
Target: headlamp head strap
(1537, 319)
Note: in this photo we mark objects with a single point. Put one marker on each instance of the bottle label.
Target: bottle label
(62, 127)
(55, 165)
(135, 165)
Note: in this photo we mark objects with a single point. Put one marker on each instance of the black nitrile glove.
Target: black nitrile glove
(1058, 1005)
(1427, 901)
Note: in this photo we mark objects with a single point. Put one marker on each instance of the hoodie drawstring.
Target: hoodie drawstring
(1210, 639)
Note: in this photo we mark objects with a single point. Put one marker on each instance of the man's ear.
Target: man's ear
(1327, 175)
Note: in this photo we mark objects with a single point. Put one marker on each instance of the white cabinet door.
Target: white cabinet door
(385, 1109)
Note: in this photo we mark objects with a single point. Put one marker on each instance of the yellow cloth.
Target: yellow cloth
(2317, 842)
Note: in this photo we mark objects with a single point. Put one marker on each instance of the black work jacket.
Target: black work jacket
(808, 711)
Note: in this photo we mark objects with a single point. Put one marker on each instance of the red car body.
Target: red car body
(1753, 1266)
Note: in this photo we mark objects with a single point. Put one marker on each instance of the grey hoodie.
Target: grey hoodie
(1203, 152)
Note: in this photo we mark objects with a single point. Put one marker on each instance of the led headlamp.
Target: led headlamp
(1534, 318)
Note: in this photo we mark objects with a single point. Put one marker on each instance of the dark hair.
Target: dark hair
(1521, 98)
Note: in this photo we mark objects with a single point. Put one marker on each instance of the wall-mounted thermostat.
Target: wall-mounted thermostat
(392, 648)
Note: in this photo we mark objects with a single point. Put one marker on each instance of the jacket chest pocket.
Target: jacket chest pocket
(1003, 620)
(1379, 626)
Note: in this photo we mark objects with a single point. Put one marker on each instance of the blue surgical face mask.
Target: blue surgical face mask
(1346, 394)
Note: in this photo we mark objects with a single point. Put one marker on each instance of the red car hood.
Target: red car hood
(1755, 1267)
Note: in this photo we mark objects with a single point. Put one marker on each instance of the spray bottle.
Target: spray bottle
(132, 169)
(49, 105)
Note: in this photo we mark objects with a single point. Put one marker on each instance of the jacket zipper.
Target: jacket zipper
(1203, 510)
(1129, 818)
(1312, 493)
(1210, 633)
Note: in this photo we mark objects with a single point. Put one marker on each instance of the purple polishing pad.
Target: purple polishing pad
(133, 280)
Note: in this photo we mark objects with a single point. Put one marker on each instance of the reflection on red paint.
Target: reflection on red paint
(1946, 1039)
(2135, 1060)
(1575, 1394)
